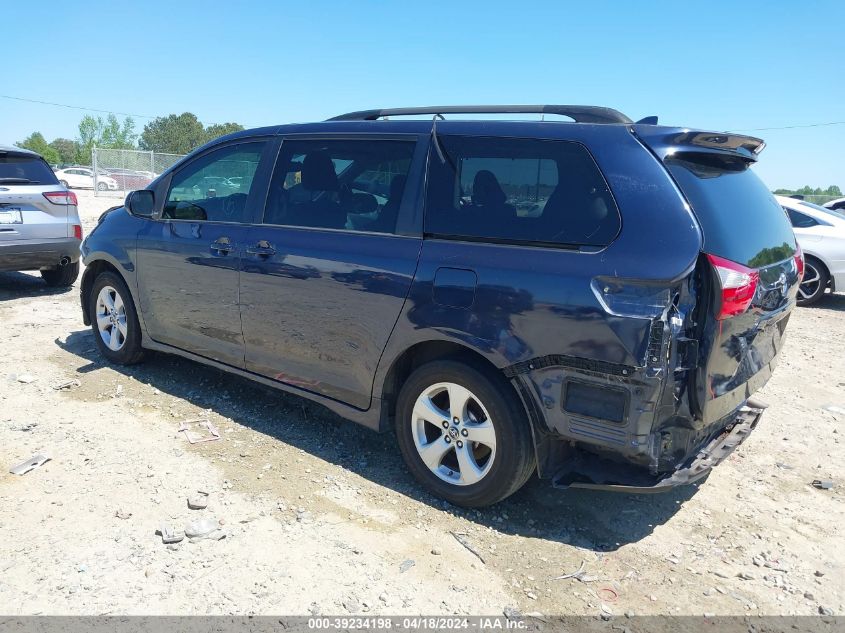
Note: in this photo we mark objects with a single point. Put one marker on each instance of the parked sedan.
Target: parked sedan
(821, 235)
(837, 205)
(83, 178)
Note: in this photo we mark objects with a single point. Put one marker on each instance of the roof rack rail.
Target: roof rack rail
(579, 113)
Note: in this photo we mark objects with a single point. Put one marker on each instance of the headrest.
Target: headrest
(318, 172)
(486, 190)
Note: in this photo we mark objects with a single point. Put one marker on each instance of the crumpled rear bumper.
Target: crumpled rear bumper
(602, 474)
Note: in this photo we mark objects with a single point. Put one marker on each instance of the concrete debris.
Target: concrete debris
(201, 527)
(169, 535)
(212, 435)
(198, 501)
(67, 384)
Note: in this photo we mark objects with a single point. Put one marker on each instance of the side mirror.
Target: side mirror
(140, 203)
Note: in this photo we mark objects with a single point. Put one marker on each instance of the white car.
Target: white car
(835, 205)
(83, 178)
(821, 235)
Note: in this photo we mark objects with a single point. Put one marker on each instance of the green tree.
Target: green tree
(221, 129)
(108, 133)
(115, 135)
(66, 148)
(833, 190)
(37, 143)
(175, 134)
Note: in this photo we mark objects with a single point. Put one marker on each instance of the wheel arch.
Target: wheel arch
(424, 352)
(821, 260)
(419, 354)
(92, 270)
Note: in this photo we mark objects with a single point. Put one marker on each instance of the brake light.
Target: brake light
(61, 197)
(77, 231)
(738, 284)
(799, 261)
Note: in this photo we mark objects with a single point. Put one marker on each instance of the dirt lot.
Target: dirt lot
(320, 515)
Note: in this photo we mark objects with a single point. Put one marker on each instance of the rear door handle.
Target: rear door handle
(222, 246)
(262, 248)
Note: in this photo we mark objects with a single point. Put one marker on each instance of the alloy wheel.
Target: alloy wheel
(453, 434)
(810, 283)
(111, 318)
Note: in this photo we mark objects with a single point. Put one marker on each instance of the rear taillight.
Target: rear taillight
(77, 231)
(799, 261)
(61, 197)
(738, 284)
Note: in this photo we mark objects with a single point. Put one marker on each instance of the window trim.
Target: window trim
(258, 189)
(587, 249)
(410, 198)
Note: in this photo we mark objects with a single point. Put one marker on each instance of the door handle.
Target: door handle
(262, 248)
(222, 245)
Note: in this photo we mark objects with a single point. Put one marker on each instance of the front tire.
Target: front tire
(101, 186)
(814, 283)
(463, 433)
(61, 276)
(114, 320)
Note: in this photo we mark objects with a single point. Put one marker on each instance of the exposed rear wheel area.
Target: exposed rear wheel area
(463, 433)
(814, 283)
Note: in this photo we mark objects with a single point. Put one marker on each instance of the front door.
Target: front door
(325, 276)
(189, 260)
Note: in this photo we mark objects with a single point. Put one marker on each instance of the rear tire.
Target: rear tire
(114, 320)
(815, 282)
(472, 430)
(61, 276)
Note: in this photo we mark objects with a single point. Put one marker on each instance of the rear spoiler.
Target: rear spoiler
(666, 141)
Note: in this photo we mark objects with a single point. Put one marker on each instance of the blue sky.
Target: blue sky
(714, 65)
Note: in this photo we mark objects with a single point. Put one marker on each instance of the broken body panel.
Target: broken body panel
(684, 393)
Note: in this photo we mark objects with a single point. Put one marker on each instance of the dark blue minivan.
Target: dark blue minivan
(589, 298)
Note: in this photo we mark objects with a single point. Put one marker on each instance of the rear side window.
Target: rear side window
(519, 191)
(740, 218)
(25, 169)
(799, 220)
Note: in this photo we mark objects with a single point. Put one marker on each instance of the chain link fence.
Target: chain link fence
(119, 171)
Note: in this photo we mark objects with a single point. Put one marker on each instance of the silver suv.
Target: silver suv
(39, 220)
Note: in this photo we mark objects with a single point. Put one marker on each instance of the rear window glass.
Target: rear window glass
(740, 218)
(25, 169)
(518, 190)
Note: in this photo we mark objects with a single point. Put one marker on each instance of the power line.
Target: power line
(147, 116)
(791, 127)
(73, 107)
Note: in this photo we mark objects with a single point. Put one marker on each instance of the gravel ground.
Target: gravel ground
(319, 515)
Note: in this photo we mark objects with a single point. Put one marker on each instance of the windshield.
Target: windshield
(815, 207)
